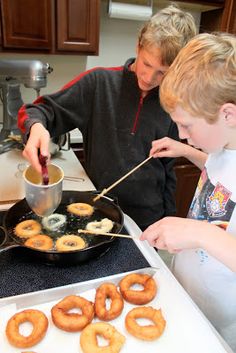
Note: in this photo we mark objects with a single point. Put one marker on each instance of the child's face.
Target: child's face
(198, 132)
(148, 68)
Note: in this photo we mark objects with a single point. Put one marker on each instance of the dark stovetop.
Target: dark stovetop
(22, 274)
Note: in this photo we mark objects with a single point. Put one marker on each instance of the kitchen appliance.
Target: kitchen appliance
(13, 73)
(43, 199)
(97, 245)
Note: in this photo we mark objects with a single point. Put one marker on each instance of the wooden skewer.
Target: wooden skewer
(104, 191)
(73, 178)
(108, 234)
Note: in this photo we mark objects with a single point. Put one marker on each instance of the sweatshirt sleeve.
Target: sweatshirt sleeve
(62, 111)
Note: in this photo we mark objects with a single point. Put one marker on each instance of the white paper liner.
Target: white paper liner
(186, 330)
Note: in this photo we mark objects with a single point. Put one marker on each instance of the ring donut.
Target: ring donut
(104, 292)
(54, 222)
(27, 229)
(89, 342)
(40, 242)
(103, 226)
(70, 242)
(147, 332)
(80, 209)
(40, 324)
(72, 322)
(138, 297)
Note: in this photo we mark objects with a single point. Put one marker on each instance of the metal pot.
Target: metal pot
(105, 207)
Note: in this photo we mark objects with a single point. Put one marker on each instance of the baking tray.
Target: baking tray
(186, 328)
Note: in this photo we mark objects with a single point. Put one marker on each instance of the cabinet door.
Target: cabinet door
(78, 25)
(229, 17)
(187, 178)
(26, 24)
(223, 19)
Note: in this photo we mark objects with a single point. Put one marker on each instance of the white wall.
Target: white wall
(117, 43)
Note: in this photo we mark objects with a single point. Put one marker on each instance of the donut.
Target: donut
(72, 322)
(70, 242)
(108, 291)
(40, 242)
(147, 332)
(89, 342)
(54, 222)
(80, 209)
(104, 226)
(138, 297)
(27, 229)
(39, 322)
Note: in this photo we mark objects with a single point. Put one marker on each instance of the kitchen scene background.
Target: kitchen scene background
(117, 43)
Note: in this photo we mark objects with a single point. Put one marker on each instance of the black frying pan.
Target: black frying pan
(97, 245)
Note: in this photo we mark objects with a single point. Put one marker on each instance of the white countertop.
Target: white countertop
(76, 136)
(11, 181)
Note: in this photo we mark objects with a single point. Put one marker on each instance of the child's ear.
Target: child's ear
(228, 113)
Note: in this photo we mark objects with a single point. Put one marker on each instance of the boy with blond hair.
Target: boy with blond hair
(118, 111)
(199, 92)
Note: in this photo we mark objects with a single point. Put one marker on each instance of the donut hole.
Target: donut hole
(70, 243)
(108, 302)
(102, 341)
(77, 311)
(38, 243)
(28, 228)
(26, 328)
(144, 321)
(137, 287)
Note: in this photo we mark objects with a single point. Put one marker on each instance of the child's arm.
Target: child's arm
(167, 147)
(175, 234)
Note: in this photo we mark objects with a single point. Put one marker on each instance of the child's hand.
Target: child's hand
(175, 234)
(167, 147)
(38, 142)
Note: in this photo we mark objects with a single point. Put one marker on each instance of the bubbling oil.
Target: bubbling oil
(71, 226)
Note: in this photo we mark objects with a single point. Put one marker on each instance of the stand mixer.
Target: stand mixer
(13, 73)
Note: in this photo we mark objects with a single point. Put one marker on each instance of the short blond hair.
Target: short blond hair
(202, 78)
(169, 30)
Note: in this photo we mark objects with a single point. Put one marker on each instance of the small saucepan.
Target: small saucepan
(96, 245)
